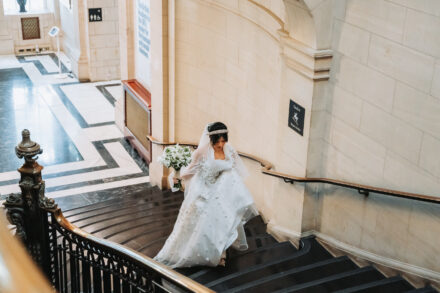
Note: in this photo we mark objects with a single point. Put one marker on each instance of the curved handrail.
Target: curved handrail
(362, 189)
(264, 164)
(167, 273)
(18, 272)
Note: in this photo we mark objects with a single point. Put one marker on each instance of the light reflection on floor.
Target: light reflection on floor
(57, 116)
(22, 107)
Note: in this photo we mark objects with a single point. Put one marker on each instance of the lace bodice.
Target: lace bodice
(204, 163)
(211, 169)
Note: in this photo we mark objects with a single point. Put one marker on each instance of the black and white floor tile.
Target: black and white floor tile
(85, 155)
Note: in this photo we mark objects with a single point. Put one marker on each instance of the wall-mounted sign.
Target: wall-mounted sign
(95, 14)
(54, 31)
(296, 117)
(144, 28)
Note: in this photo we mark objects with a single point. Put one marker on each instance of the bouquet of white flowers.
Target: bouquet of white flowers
(175, 157)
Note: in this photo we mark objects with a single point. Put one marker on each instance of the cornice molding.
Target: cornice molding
(309, 62)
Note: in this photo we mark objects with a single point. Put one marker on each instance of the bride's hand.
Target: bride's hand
(175, 180)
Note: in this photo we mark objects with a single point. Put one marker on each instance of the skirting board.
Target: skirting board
(282, 232)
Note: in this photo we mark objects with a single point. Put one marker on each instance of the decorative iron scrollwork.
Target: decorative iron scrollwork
(27, 148)
(28, 210)
(14, 199)
(15, 217)
(98, 267)
(71, 261)
(15, 212)
(26, 186)
(43, 201)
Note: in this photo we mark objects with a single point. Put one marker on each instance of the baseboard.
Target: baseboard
(379, 259)
(287, 234)
(283, 234)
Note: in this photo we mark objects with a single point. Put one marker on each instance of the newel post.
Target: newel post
(28, 210)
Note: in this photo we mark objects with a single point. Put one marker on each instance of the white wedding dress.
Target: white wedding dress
(216, 206)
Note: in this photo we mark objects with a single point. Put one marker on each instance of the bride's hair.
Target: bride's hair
(215, 137)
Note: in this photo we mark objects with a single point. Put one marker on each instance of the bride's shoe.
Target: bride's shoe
(223, 259)
(222, 262)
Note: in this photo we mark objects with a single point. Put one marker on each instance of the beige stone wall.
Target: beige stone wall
(70, 40)
(126, 38)
(229, 68)
(93, 47)
(374, 122)
(74, 37)
(103, 41)
(384, 129)
(11, 39)
(6, 42)
(47, 20)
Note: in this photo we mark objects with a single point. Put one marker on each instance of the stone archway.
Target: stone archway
(309, 21)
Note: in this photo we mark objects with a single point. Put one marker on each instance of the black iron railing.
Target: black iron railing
(80, 264)
(73, 260)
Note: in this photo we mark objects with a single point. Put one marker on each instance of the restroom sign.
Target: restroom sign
(296, 117)
(95, 14)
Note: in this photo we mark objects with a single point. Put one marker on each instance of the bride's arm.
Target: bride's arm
(238, 164)
(187, 172)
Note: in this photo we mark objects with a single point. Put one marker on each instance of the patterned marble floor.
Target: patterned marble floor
(85, 157)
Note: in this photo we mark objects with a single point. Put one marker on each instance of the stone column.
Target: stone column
(28, 210)
(6, 42)
(159, 86)
(74, 34)
(127, 15)
(305, 75)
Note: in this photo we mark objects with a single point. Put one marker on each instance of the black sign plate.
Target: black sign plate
(296, 117)
(95, 14)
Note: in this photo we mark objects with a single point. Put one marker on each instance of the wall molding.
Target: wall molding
(288, 234)
(272, 14)
(274, 34)
(311, 63)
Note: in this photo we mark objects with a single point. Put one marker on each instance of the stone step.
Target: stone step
(107, 202)
(298, 275)
(427, 289)
(273, 252)
(119, 215)
(311, 252)
(337, 282)
(394, 284)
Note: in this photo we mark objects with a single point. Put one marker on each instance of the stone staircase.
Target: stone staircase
(143, 221)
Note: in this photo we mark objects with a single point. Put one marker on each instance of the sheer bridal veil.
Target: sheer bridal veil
(202, 152)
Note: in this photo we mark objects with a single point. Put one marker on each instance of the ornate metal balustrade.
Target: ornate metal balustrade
(73, 260)
(81, 264)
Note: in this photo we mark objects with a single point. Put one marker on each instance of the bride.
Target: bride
(216, 206)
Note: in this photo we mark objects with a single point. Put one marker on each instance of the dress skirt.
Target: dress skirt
(210, 220)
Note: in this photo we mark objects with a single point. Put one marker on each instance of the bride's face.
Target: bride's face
(218, 146)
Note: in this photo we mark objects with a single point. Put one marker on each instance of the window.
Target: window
(32, 6)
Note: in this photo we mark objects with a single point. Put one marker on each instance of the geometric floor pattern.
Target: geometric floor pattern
(84, 152)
